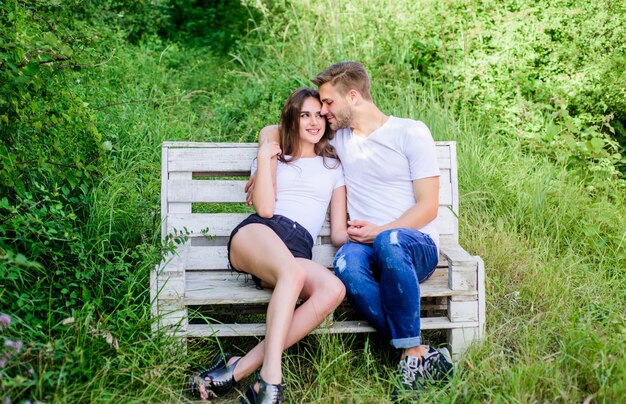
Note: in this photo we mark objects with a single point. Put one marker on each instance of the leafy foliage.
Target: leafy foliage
(559, 86)
(551, 75)
(50, 157)
(216, 24)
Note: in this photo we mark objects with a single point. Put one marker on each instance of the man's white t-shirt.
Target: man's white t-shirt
(379, 169)
(304, 188)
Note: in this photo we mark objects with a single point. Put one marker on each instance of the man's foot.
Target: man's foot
(415, 372)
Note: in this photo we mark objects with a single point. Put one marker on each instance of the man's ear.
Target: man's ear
(354, 96)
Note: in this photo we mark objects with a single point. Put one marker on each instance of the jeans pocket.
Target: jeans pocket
(289, 231)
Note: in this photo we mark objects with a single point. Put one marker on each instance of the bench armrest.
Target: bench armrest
(456, 255)
(462, 267)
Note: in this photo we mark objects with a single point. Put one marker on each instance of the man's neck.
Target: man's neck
(367, 120)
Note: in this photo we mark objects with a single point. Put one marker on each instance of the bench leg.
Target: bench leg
(470, 309)
(167, 312)
(459, 339)
(462, 310)
(167, 290)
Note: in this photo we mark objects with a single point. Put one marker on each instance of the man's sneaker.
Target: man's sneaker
(415, 372)
(437, 365)
(411, 371)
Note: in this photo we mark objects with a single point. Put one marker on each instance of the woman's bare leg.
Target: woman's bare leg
(257, 250)
(323, 292)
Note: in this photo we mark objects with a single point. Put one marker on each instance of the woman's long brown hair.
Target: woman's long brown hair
(289, 129)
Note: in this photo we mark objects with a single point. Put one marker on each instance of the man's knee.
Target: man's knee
(386, 241)
(350, 259)
(392, 251)
(340, 263)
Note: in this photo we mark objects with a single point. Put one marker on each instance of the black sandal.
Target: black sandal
(268, 393)
(220, 377)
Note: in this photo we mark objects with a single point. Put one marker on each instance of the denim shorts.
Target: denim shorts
(297, 239)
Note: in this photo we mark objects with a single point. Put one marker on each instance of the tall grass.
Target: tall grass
(104, 351)
(553, 244)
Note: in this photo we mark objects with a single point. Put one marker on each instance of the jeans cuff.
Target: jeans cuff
(406, 342)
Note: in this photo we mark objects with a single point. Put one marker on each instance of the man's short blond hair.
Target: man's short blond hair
(346, 76)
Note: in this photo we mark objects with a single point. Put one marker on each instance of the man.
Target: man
(392, 180)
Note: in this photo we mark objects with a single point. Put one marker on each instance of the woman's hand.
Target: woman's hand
(268, 150)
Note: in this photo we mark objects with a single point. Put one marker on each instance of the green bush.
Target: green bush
(215, 24)
(551, 75)
(50, 158)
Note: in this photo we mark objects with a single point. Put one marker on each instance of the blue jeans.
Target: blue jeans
(382, 281)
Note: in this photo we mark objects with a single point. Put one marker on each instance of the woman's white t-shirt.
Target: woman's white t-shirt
(304, 188)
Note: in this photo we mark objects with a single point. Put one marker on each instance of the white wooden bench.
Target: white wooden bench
(195, 294)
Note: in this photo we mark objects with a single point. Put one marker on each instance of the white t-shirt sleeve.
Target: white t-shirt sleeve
(420, 149)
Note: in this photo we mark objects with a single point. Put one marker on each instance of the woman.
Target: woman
(275, 246)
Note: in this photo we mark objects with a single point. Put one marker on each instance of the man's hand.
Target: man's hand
(364, 232)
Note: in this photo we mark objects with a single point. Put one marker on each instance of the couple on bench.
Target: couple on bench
(335, 147)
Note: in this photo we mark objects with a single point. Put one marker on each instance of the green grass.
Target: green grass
(553, 239)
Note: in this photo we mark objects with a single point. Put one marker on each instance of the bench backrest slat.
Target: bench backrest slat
(233, 191)
(234, 157)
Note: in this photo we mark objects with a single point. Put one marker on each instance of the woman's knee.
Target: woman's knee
(341, 293)
(331, 294)
(327, 285)
(336, 291)
(294, 274)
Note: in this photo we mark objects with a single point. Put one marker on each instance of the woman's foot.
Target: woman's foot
(217, 380)
(265, 393)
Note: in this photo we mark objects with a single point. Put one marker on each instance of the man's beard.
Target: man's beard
(342, 120)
